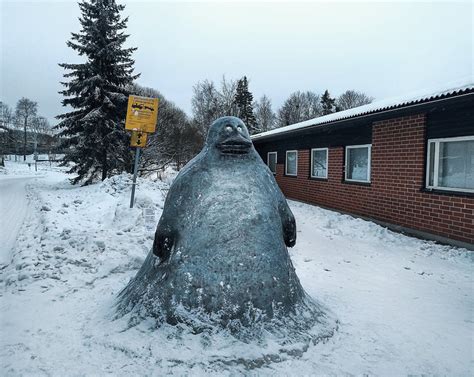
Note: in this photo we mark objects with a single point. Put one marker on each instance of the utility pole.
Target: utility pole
(24, 141)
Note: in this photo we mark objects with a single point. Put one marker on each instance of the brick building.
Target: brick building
(407, 163)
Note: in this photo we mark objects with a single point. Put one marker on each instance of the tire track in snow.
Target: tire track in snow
(14, 207)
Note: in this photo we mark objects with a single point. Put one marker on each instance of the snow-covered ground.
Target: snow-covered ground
(13, 209)
(405, 306)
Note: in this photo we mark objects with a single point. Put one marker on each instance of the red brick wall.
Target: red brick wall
(397, 177)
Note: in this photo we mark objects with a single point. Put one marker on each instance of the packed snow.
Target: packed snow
(405, 306)
(12, 190)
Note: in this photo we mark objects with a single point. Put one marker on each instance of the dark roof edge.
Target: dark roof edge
(371, 114)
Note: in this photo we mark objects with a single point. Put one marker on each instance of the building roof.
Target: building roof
(453, 89)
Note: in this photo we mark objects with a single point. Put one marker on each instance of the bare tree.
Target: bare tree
(26, 110)
(352, 98)
(264, 114)
(39, 126)
(176, 139)
(3, 144)
(300, 106)
(210, 102)
(227, 103)
(7, 118)
(11, 137)
(206, 105)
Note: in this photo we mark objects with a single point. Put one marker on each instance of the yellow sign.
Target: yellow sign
(138, 139)
(142, 113)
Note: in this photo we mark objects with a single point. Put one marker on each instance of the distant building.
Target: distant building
(407, 163)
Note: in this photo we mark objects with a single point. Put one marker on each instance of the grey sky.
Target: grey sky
(383, 49)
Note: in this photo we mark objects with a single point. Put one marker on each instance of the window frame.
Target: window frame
(435, 185)
(276, 161)
(312, 162)
(369, 162)
(286, 163)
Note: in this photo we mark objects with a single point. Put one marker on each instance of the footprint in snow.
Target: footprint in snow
(424, 273)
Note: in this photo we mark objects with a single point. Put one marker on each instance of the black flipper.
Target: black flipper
(164, 241)
(288, 223)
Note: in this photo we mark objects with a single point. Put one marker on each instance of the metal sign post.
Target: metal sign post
(135, 171)
(35, 156)
(142, 113)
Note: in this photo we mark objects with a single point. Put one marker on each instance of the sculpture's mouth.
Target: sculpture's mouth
(235, 146)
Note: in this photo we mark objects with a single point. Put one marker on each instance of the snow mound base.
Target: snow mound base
(260, 344)
(278, 336)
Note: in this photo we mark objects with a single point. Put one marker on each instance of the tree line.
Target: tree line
(232, 97)
(93, 137)
(23, 130)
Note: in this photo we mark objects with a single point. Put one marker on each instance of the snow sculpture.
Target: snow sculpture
(219, 257)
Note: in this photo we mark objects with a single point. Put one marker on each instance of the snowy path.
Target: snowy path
(13, 208)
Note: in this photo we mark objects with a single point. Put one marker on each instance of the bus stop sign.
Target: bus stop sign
(142, 114)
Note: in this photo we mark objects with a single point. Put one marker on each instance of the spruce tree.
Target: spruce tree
(328, 103)
(244, 99)
(94, 138)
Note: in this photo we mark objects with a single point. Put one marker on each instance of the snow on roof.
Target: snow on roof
(425, 95)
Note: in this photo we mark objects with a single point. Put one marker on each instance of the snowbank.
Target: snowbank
(404, 305)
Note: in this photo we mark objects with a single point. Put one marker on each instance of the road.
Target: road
(13, 209)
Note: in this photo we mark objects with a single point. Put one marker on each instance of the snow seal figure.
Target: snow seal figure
(220, 257)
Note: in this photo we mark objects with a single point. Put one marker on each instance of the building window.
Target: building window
(319, 163)
(450, 164)
(291, 166)
(272, 161)
(358, 163)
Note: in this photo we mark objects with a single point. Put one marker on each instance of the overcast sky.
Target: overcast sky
(383, 49)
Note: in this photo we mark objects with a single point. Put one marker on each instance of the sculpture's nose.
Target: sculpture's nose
(236, 138)
(235, 144)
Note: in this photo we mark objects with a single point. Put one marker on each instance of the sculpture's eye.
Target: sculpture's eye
(239, 128)
(228, 129)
